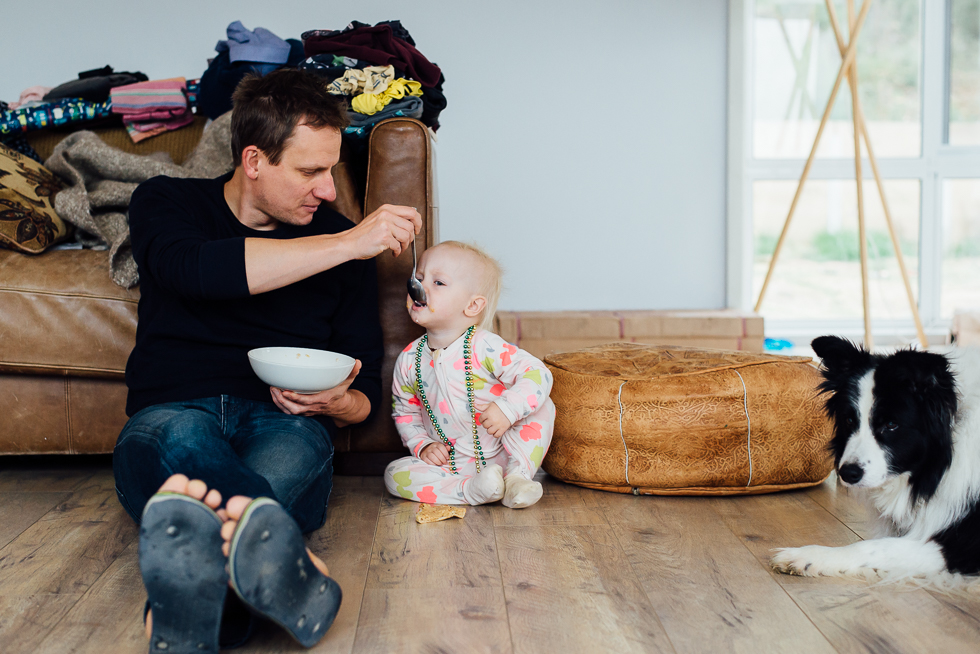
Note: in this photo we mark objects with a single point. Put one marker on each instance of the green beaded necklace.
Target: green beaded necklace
(468, 366)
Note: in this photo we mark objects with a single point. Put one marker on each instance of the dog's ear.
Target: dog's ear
(932, 386)
(928, 374)
(839, 355)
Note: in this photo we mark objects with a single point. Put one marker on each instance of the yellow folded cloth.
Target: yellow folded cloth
(371, 103)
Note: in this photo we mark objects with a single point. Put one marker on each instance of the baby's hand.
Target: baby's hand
(494, 420)
(435, 454)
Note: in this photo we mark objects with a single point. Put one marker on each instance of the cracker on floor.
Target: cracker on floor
(437, 512)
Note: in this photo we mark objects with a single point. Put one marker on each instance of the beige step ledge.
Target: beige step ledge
(545, 332)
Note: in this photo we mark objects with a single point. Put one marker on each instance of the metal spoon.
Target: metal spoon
(415, 290)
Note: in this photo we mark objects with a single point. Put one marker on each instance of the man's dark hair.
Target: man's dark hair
(267, 109)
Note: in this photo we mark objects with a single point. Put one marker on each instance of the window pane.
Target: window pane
(964, 72)
(818, 275)
(796, 63)
(961, 246)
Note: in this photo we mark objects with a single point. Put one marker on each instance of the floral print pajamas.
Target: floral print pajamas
(502, 373)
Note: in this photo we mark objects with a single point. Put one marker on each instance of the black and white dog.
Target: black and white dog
(907, 428)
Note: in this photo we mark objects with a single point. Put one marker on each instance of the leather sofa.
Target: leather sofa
(66, 329)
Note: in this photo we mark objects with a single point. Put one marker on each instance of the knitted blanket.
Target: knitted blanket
(101, 179)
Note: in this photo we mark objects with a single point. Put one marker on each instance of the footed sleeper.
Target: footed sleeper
(502, 373)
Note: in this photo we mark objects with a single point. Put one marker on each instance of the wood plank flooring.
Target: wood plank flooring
(582, 571)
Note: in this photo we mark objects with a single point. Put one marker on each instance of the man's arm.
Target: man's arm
(273, 263)
(356, 331)
(171, 245)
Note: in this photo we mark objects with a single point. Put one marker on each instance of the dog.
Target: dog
(907, 429)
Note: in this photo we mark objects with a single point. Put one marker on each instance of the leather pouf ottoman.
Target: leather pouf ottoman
(668, 420)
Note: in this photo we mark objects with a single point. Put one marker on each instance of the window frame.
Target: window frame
(938, 162)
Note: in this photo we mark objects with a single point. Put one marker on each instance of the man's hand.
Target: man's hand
(494, 420)
(389, 227)
(435, 454)
(339, 402)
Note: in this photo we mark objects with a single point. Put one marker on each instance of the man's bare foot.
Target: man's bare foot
(199, 491)
(233, 511)
(274, 573)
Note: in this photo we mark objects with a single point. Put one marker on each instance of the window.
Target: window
(919, 83)
(964, 73)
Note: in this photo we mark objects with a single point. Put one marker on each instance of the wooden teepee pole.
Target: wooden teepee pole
(847, 58)
(852, 77)
(859, 117)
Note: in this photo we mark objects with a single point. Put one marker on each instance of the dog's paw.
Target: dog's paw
(800, 561)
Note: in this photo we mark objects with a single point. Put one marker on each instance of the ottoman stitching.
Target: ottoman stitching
(693, 373)
(748, 436)
(626, 449)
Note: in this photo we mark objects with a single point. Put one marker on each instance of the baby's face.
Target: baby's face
(450, 278)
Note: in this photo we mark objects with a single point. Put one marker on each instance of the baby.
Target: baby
(472, 409)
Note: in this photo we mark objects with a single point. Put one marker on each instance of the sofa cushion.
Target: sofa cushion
(28, 221)
(61, 314)
(44, 414)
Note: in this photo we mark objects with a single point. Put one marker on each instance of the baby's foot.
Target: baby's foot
(521, 493)
(485, 487)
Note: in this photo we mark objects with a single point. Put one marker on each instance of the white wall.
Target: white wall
(583, 144)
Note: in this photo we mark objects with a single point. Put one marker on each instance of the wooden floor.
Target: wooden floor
(582, 571)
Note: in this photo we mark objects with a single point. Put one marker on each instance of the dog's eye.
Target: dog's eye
(891, 426)
(850, 422)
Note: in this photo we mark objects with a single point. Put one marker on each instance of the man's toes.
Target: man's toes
(175, 484)
(213, 499)
(318, 562)
(226, 548)
(228, 530)
(197, 489)
(236, 506)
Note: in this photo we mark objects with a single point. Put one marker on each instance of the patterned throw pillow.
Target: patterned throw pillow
(28, 221)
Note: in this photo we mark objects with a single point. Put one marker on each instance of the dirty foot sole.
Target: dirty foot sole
(272, 573)
(184, 573)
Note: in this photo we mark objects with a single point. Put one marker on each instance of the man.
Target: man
(250, 259)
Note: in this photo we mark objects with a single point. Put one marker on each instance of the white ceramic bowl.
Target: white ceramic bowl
(300, 369)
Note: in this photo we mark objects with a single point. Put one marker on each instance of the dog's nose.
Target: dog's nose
(851, 473)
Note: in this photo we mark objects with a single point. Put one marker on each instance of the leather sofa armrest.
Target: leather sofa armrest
(399, 172)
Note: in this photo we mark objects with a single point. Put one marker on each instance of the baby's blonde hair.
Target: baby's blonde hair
(492, 280)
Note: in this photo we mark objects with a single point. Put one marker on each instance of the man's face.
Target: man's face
(291, 191)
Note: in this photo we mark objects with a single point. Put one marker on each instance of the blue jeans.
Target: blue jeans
(239, 447)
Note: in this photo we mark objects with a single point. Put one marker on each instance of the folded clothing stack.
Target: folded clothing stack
(34, 116)
(382, 71)
(151, 108)
(245, 52)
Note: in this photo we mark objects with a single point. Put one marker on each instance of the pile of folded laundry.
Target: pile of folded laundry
(377, 69)
(151, 108)
(82, 100)
(380, 70)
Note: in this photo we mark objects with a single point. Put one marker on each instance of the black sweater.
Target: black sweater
(197, 321)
